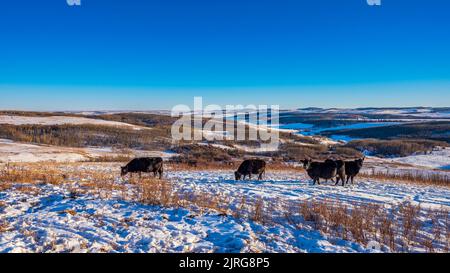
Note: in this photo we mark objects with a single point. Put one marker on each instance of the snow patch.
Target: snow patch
(61, 120)
(437, 159)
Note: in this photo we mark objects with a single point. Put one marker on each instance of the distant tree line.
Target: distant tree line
(396, 147)
(88, 135)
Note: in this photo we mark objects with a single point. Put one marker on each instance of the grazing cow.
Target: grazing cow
(249, 167)
(325, 170)
(144, 164)
(352, 169)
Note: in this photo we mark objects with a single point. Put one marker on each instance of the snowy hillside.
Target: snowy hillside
(438, 159)
(423, 112)
(60, 120)
(11, 151)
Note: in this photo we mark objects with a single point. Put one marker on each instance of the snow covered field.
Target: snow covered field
(51, 218)
(11, 151)
(293, 186)
(414, 112)
(61, 120)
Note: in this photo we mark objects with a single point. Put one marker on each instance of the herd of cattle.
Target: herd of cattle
(330, 169)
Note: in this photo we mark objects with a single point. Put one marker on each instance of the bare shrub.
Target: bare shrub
(386, 230)
(4, 227)
(409, 216)
(258, 211)
(156, 192)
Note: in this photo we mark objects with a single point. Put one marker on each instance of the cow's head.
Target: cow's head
(237, 175)
(360, 161)
(123, 171)
(306, 163)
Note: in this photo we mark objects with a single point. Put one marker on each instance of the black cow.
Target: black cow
(249, 167)
(325, 170)
(352, 169)
(144, 164)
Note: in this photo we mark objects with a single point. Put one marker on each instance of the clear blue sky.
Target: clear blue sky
(136, 54)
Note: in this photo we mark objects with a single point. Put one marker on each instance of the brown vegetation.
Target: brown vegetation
(113, 158)
(417, 177)
(399, 229)
(37, 114)
(139, 119)
(397, 147)
(87, 135)
(195, 154)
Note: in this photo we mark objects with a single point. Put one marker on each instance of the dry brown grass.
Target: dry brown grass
(4, 185)
(4, 227)
(435, 179)
(398, 229)
(156, 192)
(25, 175)
(112, 158)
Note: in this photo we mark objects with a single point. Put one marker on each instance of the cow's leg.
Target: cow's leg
(140, 175)
(348, 178)
(250, 177)
(160, 173)
(352, 179)
(337, 181)
(260, 176)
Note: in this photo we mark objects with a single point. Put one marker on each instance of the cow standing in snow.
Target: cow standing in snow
(249, 167)
(352, 169)
(325, 170)
(144, 164)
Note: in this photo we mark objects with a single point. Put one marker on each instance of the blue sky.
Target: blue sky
(139, 55)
